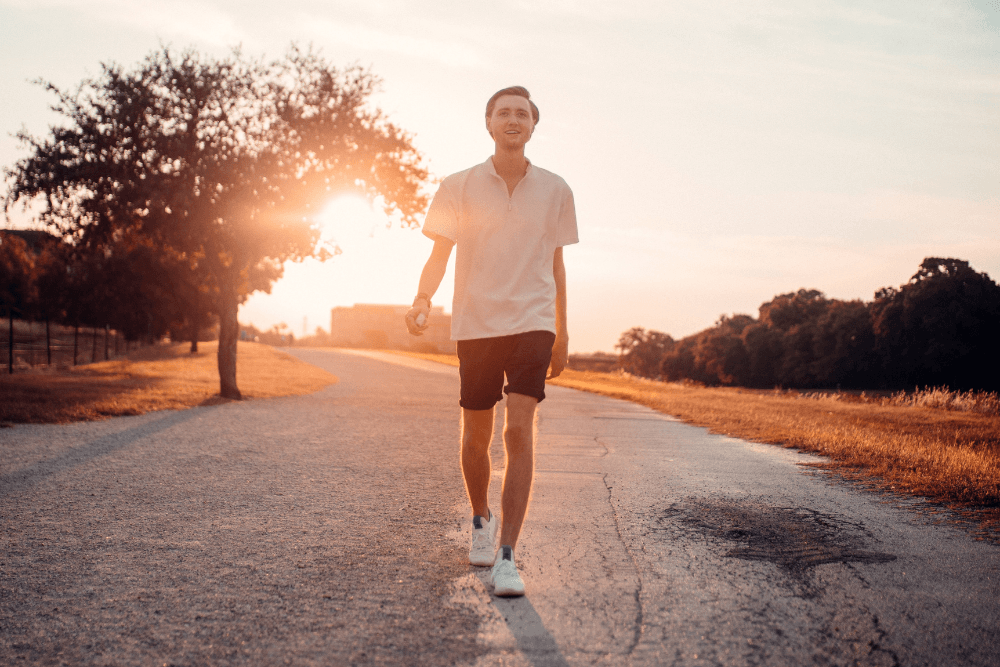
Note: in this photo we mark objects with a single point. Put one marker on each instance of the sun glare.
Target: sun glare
(347, 219)
(377, 264)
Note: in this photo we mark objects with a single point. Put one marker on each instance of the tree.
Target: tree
(719, 355)
(803, 339)
(136, 288)
(764, 348)
(640, 351)
(713, 356)
(221, 164)
(843, 345)
(17, 266)
(51, 287)
(939, 328)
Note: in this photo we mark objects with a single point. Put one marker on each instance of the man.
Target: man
(509, 220)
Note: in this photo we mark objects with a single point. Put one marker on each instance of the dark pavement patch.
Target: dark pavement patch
(793, 538)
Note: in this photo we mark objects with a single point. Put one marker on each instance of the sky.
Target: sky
(720, 153)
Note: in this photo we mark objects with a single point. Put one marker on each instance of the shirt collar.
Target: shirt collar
(493, 170)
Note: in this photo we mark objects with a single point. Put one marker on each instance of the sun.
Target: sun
(349, 219)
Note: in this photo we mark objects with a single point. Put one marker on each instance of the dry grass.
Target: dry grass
(983, 402)
(929, 451)
(161, 377)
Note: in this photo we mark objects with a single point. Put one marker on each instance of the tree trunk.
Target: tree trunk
(93, 346)
(76, 341)
(105, 342)
(48, 343)
(10, 341)
(229, 330)
(193, 332)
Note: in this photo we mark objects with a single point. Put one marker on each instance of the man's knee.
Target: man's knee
(478, 442)
(516, 435)
(520, 422)
(520, 410)
(477, 428)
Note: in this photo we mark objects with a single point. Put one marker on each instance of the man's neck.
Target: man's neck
(510, 164)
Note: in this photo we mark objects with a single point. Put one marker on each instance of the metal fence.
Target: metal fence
(59, 347)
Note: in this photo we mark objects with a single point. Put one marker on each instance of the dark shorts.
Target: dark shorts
(524, 358)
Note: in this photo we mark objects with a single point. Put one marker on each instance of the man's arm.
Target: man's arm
(560, 350)
(430, 280)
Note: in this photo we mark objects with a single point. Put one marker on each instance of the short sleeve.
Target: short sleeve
(442, 216)
(566, 226)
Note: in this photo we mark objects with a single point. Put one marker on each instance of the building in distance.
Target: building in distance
(379, 326)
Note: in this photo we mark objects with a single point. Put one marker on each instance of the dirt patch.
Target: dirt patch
(793, 538)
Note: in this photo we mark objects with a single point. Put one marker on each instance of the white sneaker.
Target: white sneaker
(506, 581)
(483, 550)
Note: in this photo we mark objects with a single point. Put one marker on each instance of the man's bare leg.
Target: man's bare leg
(477, 432)
(519, 441)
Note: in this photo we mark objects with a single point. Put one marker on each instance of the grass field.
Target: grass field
(900, 445)
(159, 377)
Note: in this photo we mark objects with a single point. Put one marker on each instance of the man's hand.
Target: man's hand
(560, 354)
(413, 319)
(430, 278)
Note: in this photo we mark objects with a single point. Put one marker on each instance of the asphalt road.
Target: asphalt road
(331, 529)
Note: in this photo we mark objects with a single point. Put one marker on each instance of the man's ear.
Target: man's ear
(488, 127)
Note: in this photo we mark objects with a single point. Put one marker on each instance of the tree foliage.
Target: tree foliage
(17, 269)
(219, 167)
(937, 329)
(17, 289)
(640, 351)
(940, 328)
(714, 356)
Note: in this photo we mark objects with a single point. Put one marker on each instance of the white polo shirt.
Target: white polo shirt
(504, 248)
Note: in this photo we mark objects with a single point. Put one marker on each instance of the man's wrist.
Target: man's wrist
(422, 296)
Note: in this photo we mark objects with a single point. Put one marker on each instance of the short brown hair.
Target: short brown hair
(520, 91)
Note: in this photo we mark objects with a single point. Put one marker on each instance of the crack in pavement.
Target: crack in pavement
(639, 615)
(876, 646)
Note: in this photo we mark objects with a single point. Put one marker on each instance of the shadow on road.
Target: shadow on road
(21, 480)
(534, 641)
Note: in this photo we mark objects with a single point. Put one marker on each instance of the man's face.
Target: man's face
(511, 124)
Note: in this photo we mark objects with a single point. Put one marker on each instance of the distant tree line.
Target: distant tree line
(125, 289)
(278, 335)
(938, 329)
(181, 186)
(128, 287)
